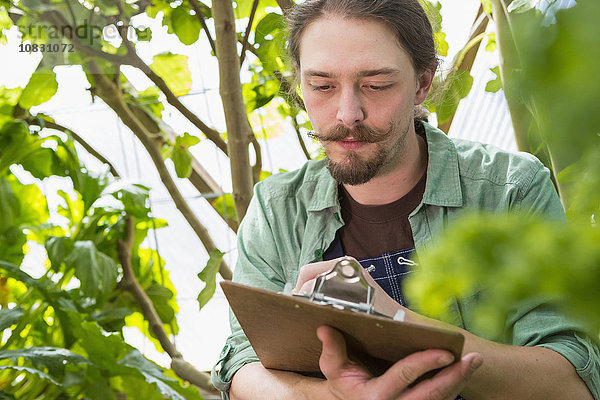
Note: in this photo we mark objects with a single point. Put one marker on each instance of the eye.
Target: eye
(378, 88)
(322, 88)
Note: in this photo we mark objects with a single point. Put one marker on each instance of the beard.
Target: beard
(355, 170)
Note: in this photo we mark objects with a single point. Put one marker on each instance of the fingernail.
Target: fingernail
(476, 362)
(445, 359)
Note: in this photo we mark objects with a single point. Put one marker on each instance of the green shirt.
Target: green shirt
(293, 218)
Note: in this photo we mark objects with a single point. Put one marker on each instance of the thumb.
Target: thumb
(333, 356)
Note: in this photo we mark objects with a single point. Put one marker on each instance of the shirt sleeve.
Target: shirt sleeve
(538, 324)
(258, 265)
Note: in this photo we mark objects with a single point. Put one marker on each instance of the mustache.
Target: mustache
(360, 133)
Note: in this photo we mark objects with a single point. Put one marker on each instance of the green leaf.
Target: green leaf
(152, 373)
(186, 26)
(134, 198)
(134, 359)
(90, 187)
(182, 160)
(57, 248)
(491, 44)
(271, 23)
(457, 86)
(101, 348)
(495, 84)
(6, 396)
(209, 275)
(9, 317)
(173, 68)
(487, 6)
(18, 145)
(52, 358)
(143, 35)
(96, 271)
(181, 156)
(9, 206)
(520, 6)
(29, 370)
(441, 44)
(225, 206)
(161, 296)
(112, 319)
(8, 99)
(73, 209)
(186, 140)
(33, 208)
(40, 88)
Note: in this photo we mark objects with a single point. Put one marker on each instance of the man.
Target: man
(388, 185)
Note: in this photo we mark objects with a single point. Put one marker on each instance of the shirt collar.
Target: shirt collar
(443, 181)
(443, 176)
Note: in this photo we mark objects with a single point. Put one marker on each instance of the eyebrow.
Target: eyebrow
(360, 74)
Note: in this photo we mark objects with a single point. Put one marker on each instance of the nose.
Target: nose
(350, 108)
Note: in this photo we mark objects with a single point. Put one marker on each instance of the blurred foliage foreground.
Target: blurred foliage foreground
(506, 259)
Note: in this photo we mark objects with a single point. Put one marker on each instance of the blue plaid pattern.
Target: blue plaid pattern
(389, 270)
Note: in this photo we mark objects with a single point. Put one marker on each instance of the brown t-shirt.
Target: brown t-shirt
(372, 230)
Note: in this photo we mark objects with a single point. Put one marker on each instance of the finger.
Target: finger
(311, 271)
(447, 383)
(308, 287)
(334, 357)
(406, 371)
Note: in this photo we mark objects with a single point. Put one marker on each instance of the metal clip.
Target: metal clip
(344, 287)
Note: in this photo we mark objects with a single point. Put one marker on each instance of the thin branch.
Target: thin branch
(53, 125)
(130, 284)
(173, 100)
(71, 12)
(109, 93)
(247, 33)
(299, 136)
(197, 8)
(133, 59)
(466, 58)
(257, 167)
(56, 18)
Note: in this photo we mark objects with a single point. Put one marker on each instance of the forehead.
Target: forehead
(338, 45)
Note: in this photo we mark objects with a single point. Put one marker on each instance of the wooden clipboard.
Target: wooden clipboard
(282, 331)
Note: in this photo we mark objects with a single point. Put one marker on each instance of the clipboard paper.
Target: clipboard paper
(282, 330)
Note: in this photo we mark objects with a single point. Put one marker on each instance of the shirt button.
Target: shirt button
(318, 252)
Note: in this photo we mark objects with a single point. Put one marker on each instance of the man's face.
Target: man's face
(359, 88)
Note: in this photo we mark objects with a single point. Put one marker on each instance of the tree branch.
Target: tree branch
(236, 118)
(56, 19)
(111, 96)
(53, 125)
(133, 59)
(299, 136)
(130, 284)
(465, 63)
(247, 33)
(200, 14)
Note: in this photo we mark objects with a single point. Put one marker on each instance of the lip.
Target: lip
(350, 144)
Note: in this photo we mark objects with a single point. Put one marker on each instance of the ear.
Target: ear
(423, 85)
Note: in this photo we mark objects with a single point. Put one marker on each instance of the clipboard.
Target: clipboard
(282, 330)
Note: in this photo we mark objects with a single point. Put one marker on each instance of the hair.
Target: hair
(406, 18)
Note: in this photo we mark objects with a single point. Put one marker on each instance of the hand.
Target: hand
(383, 304)
(348, 380)
(309, 272)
